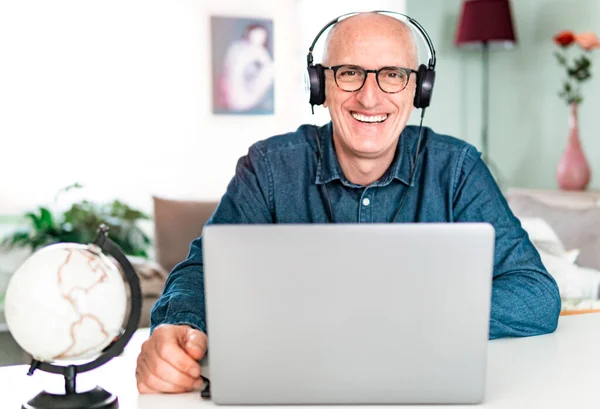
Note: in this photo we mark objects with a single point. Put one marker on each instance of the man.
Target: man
(361, 175)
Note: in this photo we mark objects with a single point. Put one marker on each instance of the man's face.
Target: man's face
(367, 123)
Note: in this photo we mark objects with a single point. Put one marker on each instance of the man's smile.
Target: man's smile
(371, 119)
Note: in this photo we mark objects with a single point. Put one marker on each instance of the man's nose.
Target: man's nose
(370, 94)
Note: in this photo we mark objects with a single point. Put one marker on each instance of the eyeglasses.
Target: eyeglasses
(351, 78)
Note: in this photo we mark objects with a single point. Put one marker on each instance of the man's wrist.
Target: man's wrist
(182, 318)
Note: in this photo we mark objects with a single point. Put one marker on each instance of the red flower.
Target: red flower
(564, 38)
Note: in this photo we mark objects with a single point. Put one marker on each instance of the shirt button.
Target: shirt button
(366, 201)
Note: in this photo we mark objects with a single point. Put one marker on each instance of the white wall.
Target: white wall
(116, 95)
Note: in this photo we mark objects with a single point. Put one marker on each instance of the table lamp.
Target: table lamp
(481, 23)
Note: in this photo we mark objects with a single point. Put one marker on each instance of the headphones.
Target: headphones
(425, 74)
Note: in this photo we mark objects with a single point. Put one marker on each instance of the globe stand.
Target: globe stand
(96, 398)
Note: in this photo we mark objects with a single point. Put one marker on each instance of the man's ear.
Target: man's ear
(325, 103)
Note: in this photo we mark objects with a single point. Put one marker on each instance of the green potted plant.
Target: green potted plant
(79, 224)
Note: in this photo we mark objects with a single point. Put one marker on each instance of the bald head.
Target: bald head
(354, 29)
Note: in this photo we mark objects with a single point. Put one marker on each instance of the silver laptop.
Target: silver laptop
(348, 314)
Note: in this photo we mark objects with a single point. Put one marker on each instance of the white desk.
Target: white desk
(560, 370)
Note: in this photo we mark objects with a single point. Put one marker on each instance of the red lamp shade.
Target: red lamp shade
(485, 21)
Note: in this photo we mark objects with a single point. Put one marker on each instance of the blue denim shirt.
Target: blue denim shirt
(281, 180)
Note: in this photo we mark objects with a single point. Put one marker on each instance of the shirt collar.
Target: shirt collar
(328, 167)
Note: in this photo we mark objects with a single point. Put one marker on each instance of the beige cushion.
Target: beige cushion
(176, 224)
(576, 228)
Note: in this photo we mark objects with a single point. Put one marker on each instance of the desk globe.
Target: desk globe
(67, 302)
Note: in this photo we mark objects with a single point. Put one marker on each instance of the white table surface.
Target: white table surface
(560, 370)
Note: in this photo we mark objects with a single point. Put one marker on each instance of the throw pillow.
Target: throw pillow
(576, 228)
(574, 282)
(543, 236)
(176, 224)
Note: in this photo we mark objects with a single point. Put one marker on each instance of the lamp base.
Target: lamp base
(96, 398)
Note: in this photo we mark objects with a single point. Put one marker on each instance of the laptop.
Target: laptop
(348, 313)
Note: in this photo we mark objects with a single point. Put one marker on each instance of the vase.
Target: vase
(573, 171)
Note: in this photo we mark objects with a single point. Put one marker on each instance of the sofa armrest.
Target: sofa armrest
(558, 198)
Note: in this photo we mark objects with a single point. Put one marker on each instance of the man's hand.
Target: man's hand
(168, 362)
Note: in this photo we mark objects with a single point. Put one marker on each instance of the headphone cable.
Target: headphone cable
(205, 392)
(329, 208)
(414, 170)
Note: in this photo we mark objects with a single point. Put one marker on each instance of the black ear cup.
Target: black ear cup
(316, 83)
(424, 89)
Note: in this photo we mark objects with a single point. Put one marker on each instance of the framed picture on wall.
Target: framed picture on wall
(242, 66)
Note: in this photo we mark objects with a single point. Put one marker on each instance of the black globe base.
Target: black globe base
(96, 398)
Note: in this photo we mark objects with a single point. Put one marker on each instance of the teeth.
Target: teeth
(370, 119)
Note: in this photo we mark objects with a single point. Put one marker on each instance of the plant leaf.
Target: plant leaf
(46, 220)
(79, 224)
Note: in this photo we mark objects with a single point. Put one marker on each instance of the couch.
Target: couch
(573, 218)
(565, 227)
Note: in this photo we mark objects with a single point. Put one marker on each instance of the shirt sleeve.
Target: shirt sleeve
(248, 199)
(525, 297)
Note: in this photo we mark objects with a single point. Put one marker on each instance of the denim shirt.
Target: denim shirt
(282, 180)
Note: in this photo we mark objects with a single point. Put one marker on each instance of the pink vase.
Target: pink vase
(573, 171)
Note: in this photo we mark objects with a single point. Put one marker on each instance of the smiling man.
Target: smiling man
(359, 168)
(369, 108)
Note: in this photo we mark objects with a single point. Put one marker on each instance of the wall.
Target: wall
(528, 121)
(117, 95)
